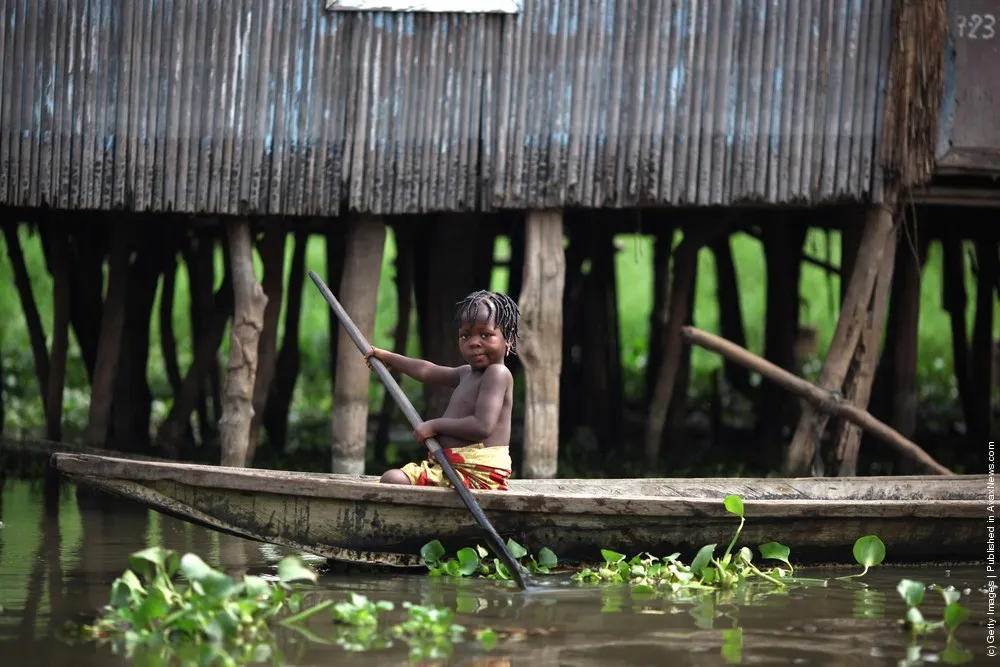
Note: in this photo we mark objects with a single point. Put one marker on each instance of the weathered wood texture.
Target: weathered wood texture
(358, 294)
(281, 107)
(850, 324)
(540, 346)
(250, 303)
(334, 515)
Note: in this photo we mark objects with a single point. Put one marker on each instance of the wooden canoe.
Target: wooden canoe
(355, 519)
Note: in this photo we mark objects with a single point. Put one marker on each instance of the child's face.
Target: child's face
(481, 342)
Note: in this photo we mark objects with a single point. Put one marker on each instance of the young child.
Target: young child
(474, 431)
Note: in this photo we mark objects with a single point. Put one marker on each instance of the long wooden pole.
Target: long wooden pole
(824, 401)
(492, 537)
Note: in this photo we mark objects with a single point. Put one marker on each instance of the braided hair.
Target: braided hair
(499, 306)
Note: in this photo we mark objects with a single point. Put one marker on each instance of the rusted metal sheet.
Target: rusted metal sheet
(627, 102)
(969, 139)
(174, 105)
(284, 107)
(441, 6)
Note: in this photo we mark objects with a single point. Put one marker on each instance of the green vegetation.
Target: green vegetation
(214, 620)
(312, 401)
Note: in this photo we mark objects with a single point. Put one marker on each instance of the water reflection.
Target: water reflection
(61, 547)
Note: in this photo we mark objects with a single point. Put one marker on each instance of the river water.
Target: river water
(60, 549)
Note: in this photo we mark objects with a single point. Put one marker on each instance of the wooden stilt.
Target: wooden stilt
(982, 340)
(404, 307)
(782, 239)
(36, 335)
(359, 296)
(133, 398)
(685, 266)
(956, 304)
(862, 371)
(336, 252)
(200, 263)
(249, 303)
(206, 346)
(659, 314)
(808, 433)
(898, 372)
(445, 273)
(286, 371)
(272, 254)
(59, 268)
(730, 313)
(601, 370)
(540, 348)
(110, 342)
(85, 253)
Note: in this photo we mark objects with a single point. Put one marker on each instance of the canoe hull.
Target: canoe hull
(363, 522)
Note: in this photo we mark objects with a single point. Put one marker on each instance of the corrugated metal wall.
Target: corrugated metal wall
(278, 106)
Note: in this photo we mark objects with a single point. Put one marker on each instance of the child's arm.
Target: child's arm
(477, 426)
(418, 369)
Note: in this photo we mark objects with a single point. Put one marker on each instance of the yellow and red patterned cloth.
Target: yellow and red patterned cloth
(478, 466)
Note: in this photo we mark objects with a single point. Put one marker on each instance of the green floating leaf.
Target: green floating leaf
(734, 505)
(869, 551)
(547, 558)
(291, 568)
(702, 558)
(432, 552)
(468, 561)
(148, 561)
(954, 614)
(612, 557)
(775, 551)
(194, 568)
(911, 591)
(516, 550)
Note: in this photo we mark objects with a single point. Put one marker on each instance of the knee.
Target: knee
(394, 476)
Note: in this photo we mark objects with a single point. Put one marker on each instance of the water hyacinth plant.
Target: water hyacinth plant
(469, 561)
(212, 620)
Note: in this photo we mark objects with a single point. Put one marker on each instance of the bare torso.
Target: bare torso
(463, 404)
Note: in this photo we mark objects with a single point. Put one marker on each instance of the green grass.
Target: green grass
(634, 281)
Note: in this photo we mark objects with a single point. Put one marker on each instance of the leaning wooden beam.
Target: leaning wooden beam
(859, 382)
(826, 401)
(853, 313)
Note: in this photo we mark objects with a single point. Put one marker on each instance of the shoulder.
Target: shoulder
(498, 373)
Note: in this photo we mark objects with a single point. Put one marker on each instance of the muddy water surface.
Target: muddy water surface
(60, 551)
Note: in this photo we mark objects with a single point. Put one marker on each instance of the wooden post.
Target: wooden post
(898, 378)
(110, 342)
(404, 307)
(540, 349)
(853, 312)
(359, 296)
(862, 371)
(685, 265)
(659, 314)
(272, 255)
(286, 371)
(59, 268)
(981, 371)
(782, 240)
(249, 303)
